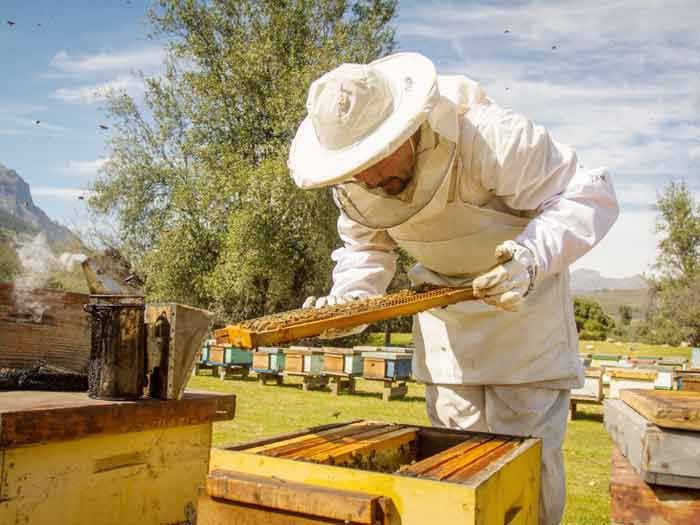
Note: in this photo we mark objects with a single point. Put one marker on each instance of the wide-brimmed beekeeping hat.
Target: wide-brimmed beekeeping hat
(359, 114)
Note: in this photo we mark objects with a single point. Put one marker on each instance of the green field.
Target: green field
(269, 410)
(585, 347)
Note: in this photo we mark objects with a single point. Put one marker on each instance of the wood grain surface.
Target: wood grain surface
(40, 417)
(633, 501)
(666, 408)
(287, 496)
(59, 336)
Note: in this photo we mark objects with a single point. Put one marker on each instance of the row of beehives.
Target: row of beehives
(619, 379)
(370, 362)
(663, 369)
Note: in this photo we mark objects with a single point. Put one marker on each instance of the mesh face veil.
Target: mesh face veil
(376, 209)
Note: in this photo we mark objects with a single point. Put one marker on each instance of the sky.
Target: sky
(617, 80)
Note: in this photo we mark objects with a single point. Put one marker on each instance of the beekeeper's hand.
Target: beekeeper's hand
(329, 300)
(506, 285)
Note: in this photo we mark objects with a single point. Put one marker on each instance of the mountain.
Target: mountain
(19, 214)
(585, 281)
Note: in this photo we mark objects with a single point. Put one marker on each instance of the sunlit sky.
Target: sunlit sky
(618, 80)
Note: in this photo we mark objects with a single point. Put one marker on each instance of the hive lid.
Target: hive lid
(666, 408)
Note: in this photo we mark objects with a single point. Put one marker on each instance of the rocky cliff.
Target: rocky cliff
(18, 212)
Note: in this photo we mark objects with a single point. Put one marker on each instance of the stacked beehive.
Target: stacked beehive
(655, 477)
(374, 473)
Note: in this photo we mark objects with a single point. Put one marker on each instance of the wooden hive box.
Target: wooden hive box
(229, 355)
(386, 365)
(303, 360)
(660, 456)
(268, 359)
(69, 459)
(55, 330)
(238, 356)
(625, 378)
(590, 393)
(204, 354)
(592, 389)
(374, 473)
(217, 354)
(688, 380)
(342, 361)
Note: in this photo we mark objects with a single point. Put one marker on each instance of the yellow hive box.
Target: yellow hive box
(68, 459)
(374, 473)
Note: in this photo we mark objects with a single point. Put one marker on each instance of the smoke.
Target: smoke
(68, 261)
(38, 262)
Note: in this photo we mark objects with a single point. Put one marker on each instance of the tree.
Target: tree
(197, 178)
(9, 263)
(625, 314)
(679, 222)
(675, 308)
(591, 321)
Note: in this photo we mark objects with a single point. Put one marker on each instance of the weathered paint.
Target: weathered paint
(149, 477)
(506, 491)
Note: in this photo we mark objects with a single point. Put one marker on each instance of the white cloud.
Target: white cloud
(621, 87)
(147, 58)
(60, 193)
(82, 168)
(94, 93)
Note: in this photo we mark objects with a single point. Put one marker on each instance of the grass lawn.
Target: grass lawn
(269, 410)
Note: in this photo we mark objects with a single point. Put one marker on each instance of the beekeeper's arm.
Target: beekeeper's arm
(364, 265)
(518, 161)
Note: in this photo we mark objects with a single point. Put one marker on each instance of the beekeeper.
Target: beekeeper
(475, 194)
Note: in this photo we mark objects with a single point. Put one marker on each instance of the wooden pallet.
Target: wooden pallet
(314, 321)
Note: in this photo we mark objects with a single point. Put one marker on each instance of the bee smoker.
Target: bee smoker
(117, 368)
(139, 348)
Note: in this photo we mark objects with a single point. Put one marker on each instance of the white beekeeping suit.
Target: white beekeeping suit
(486, 182)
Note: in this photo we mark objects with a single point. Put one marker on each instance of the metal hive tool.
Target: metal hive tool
(309, 322)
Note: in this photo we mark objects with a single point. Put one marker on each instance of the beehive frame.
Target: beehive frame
(309, 322)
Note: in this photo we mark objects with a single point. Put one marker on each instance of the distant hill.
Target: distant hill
(611, 300)
(19, 214)
(586, 281)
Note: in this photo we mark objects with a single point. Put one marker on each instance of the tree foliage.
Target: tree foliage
(591, 321)
(9, 263)
(678, 221)
(197, 176)
(675, 312)
(625, 314)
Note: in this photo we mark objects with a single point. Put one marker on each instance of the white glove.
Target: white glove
(329, 300)
(506, 285)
